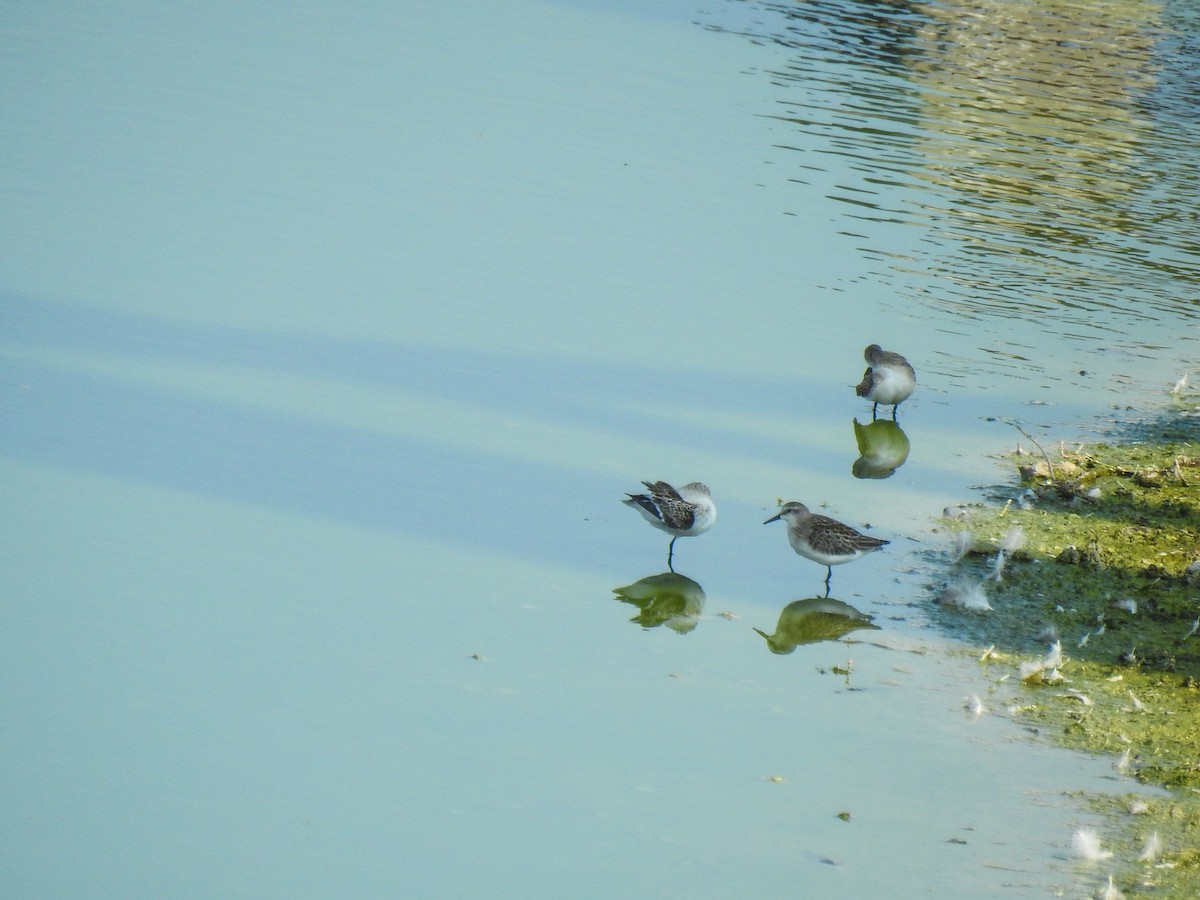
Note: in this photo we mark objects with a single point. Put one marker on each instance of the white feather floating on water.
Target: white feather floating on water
(966, 595)
(1086, 844)
(975, 706)
(962, 543)
(1110, 891)
(1123, 761)
(1151, 848)
(1013, 539)
(1032, 670)
(1128, 604)
(1036, 672)
(1054, 656)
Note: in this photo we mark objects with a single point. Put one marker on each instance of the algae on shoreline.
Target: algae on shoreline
(1099, 593)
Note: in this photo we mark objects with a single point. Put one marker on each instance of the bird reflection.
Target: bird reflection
(668, 599)
(882, 448)
(813, 620)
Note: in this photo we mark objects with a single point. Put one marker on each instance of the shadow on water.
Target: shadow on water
(80, 400)
(814, 620)
(68, 408)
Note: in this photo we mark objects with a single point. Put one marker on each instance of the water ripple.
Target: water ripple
(1047, 152)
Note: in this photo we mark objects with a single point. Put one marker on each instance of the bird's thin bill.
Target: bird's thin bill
(774, 518)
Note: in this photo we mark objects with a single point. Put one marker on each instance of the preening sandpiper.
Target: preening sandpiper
(822, 539)
(685, 512)
(889, 379)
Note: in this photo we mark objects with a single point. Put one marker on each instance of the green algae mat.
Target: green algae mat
(1082, 580)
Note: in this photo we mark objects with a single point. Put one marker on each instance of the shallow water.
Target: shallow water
(331, 342)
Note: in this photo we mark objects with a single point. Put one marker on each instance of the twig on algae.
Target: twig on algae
(1041, 449)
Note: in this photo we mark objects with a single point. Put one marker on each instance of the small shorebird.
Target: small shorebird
(685, 512)
(822, 539)
(889, 379)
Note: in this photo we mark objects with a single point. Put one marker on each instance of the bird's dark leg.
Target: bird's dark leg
(828, 576)
(874, 411)
(894, 408)
(671, 553)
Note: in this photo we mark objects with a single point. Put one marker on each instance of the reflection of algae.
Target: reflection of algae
(1111, 537)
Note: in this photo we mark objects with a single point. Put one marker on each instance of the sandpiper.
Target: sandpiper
(889, 379)
(822, 539)
(685, 512)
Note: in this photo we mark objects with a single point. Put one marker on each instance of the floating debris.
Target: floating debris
(1110, 891)
(974, 706)
(844, 816)
(1128, 604)
(1138, 706)
(1139, 808)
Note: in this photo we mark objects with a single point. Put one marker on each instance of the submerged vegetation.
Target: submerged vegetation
(1083, 581)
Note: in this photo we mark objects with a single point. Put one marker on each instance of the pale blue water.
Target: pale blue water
(332, 337)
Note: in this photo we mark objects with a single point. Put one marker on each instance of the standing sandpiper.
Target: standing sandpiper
(889, 379)
(681, 513)
(822, 539)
